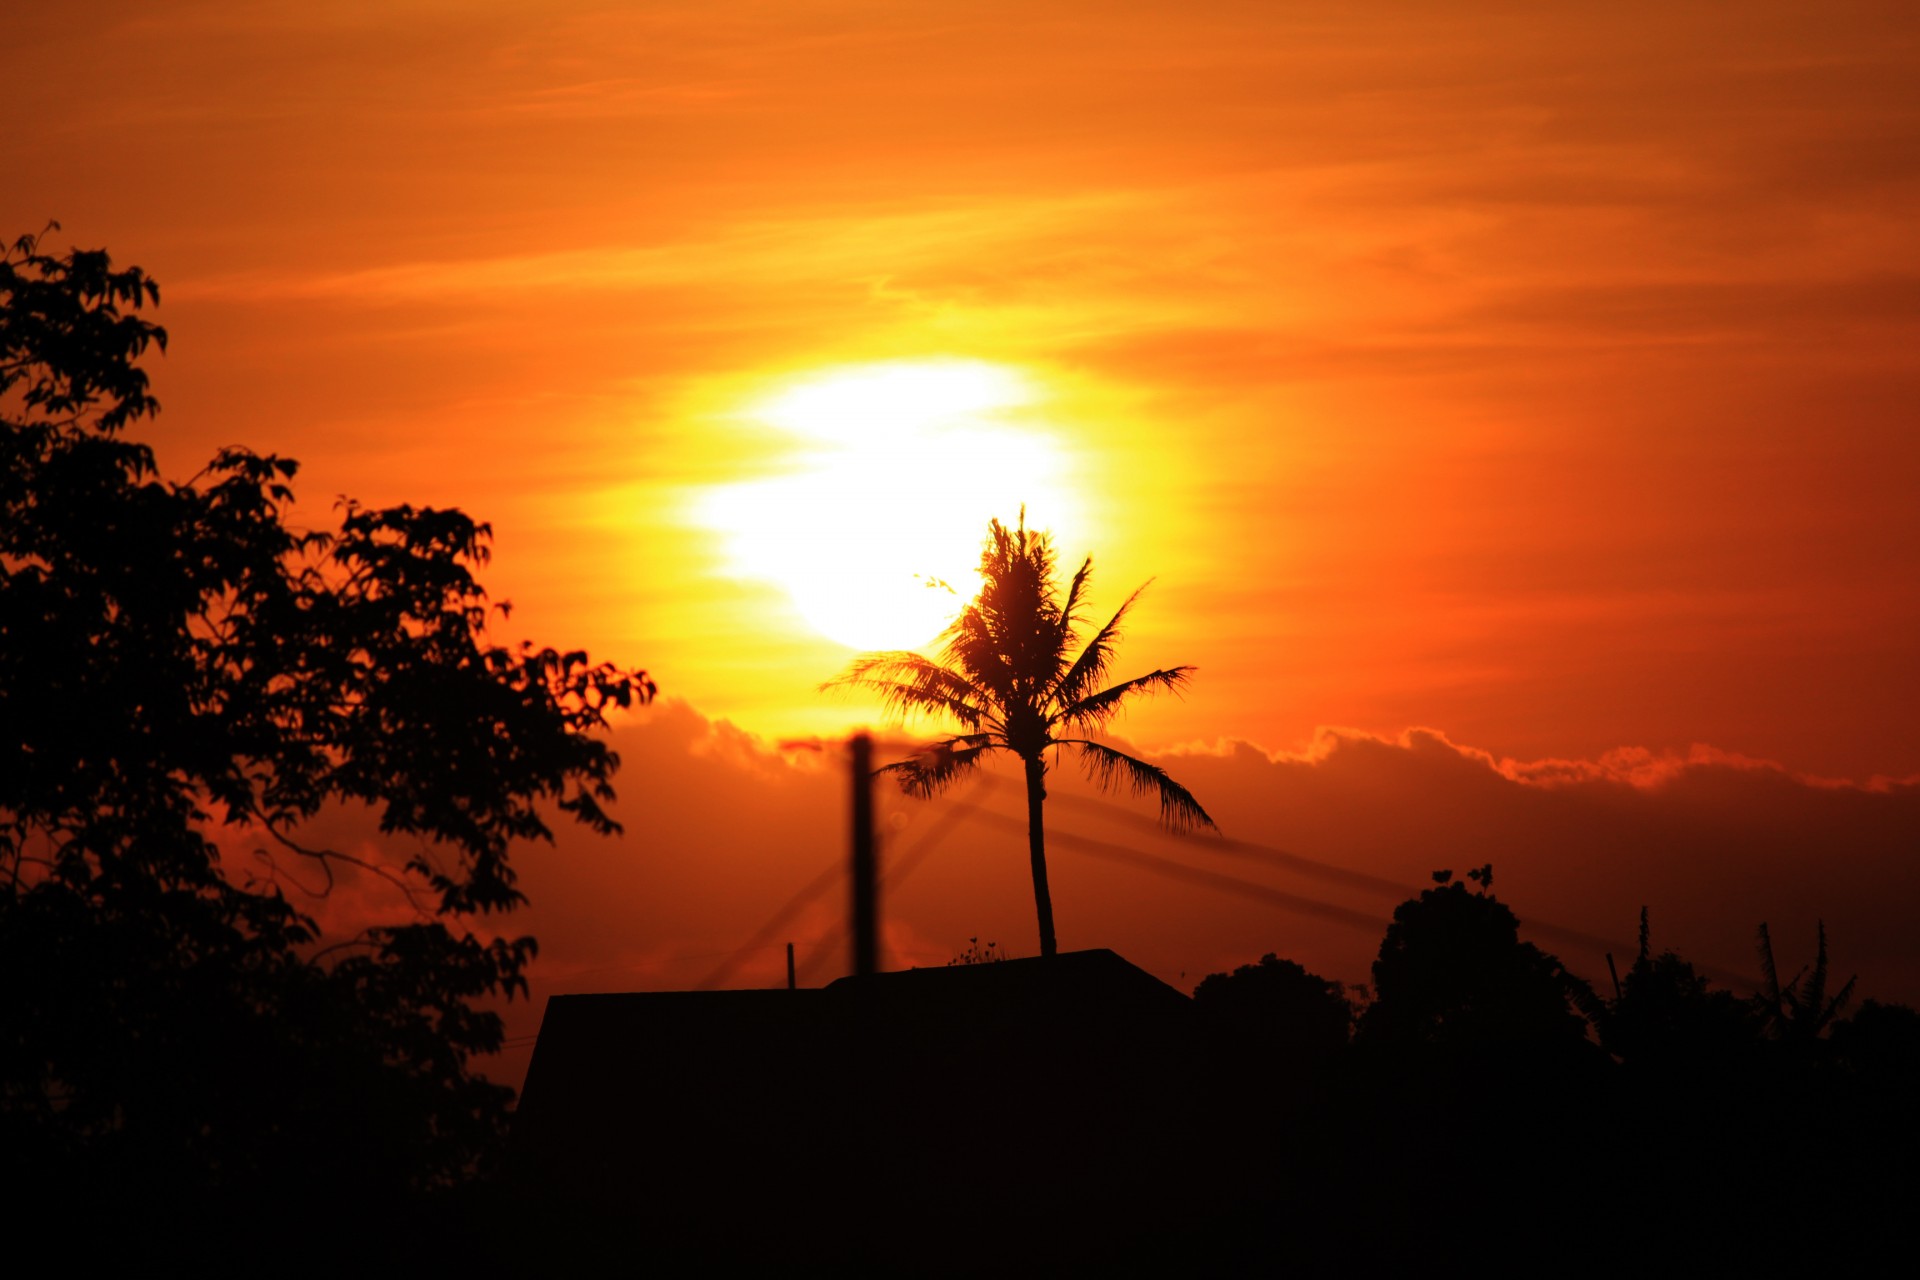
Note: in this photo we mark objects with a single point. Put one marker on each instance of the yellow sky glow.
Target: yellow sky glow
(873, 521)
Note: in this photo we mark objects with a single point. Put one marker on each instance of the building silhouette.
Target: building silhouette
(1033, 1111)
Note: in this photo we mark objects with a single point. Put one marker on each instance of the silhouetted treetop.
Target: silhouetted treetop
(1278, 1008)
(67, 347)
(1452, 971)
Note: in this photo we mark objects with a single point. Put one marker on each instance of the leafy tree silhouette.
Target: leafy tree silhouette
(1453, 973)
(1011, 678)
(181, 670)
(1277, 1009)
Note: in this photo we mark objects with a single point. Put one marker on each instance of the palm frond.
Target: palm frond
(1814, 994)
(910, 684)
(1583, 996)
(1768, 973)
(1091, 666)
(1067, 623)
(975, 648)
(1109, 767)
(1070, 608)
(932, 770)
(1839, 1002)
(1096, 709)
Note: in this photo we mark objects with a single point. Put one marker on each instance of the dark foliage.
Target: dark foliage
(1470, 1127)
(992, 953)
(182, 676)
(1665, 1016)
(1277, 1010)
(1797, 1012)
(1880, 1043)
(1452, 973)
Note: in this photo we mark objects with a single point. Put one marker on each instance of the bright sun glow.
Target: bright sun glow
(875, 531)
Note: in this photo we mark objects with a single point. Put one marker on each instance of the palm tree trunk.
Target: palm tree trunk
(1037, 851)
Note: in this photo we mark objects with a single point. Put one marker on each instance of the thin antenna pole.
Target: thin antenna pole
(790, 984)
(866, 863)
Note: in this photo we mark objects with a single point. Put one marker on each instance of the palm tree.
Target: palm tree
(1798, 1012)
(1012, 680)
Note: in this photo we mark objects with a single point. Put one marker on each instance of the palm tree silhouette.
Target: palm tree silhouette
(1012, 680)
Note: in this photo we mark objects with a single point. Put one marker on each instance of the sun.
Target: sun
(874, 522)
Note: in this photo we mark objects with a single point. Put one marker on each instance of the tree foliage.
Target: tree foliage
(1277, 1009)
(1666, 1016)
(187, 680)
(1015, 677)
(1452, 974)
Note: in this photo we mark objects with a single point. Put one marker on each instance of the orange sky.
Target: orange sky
(1544, 377)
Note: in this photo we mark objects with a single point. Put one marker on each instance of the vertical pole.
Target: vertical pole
(866, 870)
(789, 966)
